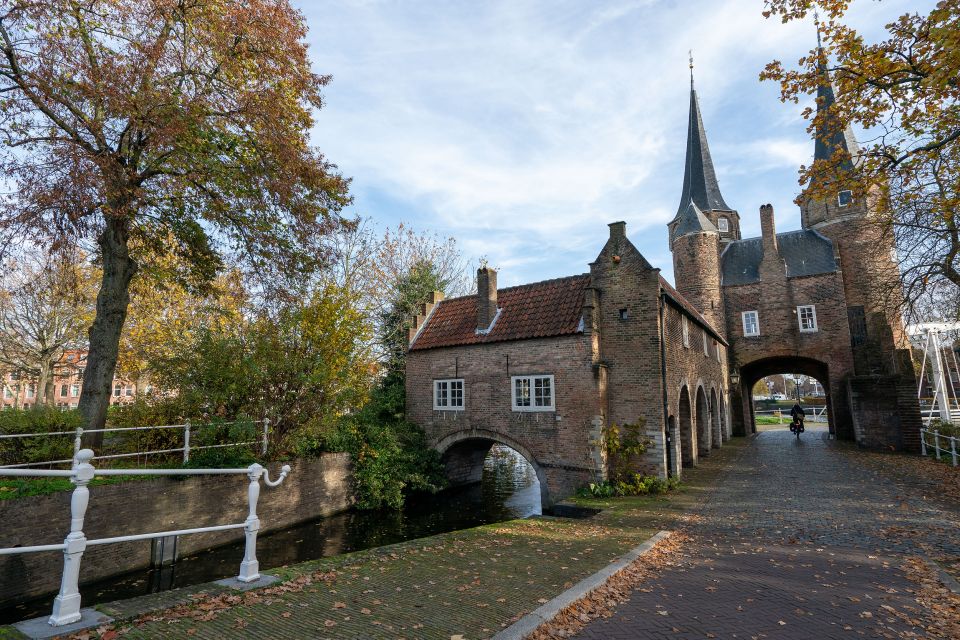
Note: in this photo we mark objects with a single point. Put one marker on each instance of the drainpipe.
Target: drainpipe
(667, 442)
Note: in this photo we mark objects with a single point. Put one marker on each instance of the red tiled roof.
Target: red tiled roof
(538, 310)
(684, 304)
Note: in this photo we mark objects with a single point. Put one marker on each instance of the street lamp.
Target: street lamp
(735, 378)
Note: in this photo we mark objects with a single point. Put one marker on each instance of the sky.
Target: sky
(522, 128)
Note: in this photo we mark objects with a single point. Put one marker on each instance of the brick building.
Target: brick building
(545, 367)
(18, 391)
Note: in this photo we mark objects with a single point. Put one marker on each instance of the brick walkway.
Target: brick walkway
(796, 542)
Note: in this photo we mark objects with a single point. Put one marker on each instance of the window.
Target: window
(117, 390)
(31, 390)
(686, 332)
(624, 314)
(128, 391)
(723, 224)
(532, 393)
(63, 391)
(844, 198)
(751, 323)
(716, 347)
(74, 390)
(448, 395)
(6, 392)
(80, 373)
(807, 315)
(706, 344)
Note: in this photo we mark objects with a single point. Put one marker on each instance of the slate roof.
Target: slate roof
(692, 220)
(684, 304)
(828, 138)
(538, 310)
(699, 177)
(805, 252)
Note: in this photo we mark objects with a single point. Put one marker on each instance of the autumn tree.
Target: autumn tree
(164, 315)
(46, 304)
(903, 92)
(378, 269)
(144, 127)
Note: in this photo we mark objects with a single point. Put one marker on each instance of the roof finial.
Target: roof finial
(690, 51)
(816, 24)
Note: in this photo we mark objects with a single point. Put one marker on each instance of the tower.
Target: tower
(865, 246)
(704, 224)
(700, 179)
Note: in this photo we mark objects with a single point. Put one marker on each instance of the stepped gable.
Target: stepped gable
(684, 304)
(806, 252)
(537, 310)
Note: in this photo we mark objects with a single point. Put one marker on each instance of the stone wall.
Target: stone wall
(314, 488)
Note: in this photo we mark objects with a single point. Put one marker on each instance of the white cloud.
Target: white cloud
(522, 128)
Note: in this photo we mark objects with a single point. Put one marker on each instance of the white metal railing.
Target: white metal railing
(935, 444)
(814, 414)
(78, 433)
(66, 606)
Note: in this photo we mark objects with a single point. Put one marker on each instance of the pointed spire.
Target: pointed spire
(690, 219)
(699, 177)
(828, 139)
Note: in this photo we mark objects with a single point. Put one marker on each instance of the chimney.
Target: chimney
(486, 297)
(417, 321)
(768, 230)
(618, 230)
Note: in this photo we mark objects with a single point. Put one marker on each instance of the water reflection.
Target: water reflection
(509, 489)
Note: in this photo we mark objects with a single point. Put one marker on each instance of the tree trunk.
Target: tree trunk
(104, 334)
(43, 383)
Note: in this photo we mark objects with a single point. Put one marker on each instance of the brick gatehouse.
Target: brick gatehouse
(545, 367)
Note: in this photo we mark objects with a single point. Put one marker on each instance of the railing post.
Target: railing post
(953, 449)
(923, 442)
(186, 442)
(66, 606)
(250, 567)
(266, 436)
(76, 443)
(936, 442)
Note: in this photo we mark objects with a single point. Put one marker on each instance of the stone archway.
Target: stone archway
(463, 453)
(724, 418)
(717, 438)
(703, 423)
(673, 461)
(688, 448)
(752, 372)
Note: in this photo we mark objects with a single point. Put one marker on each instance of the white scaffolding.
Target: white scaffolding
(926, 336)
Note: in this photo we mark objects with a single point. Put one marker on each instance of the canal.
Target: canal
(509, 489)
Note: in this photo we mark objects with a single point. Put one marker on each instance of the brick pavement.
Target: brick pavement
(794, 542)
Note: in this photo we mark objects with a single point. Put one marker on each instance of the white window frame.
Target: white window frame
(532, 382)
(706, 345)
(756, 323)
(840, 198)
(716, 345)
(686, 331)
(723, 224)
(813, 317)
(74, 390)
(447, 405)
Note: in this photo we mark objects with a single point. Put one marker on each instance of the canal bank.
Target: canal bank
(509, 489)
(471, 582)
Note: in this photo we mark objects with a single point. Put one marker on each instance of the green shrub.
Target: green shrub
(945, 428)
(633, 485)
(222, 432)
(37, 420)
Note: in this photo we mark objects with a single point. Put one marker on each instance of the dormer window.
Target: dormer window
(723, 224)
(844, 198)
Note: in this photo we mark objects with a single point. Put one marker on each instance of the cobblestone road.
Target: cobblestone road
(797, 542)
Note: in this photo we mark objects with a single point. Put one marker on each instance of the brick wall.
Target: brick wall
(690, 368)
(561, 444)
(314, 488)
